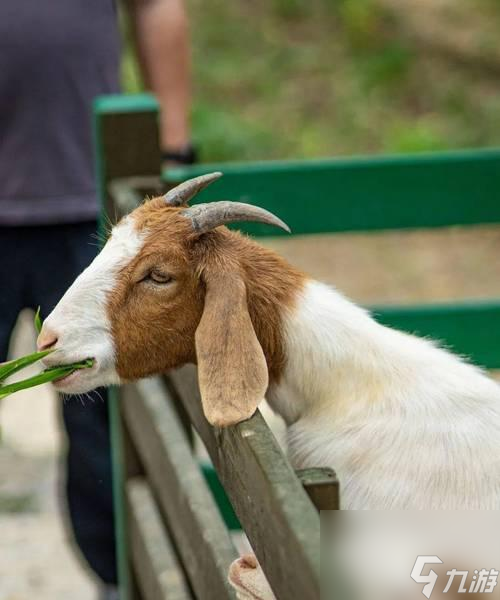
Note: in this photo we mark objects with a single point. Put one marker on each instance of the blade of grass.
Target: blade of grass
(44, 377)
(38, 321)
(84, 364)
(13, 366)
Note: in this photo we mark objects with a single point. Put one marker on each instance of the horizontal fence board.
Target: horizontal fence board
(273, 508)
(159, 574)
(363, 194)
(322, 487)
(470, 329)
(193, 517)
(125, 103)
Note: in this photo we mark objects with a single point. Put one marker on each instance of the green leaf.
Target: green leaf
(9, 368)
(38, 321)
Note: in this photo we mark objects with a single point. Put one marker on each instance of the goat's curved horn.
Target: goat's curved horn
(182, 193)
(205, 217)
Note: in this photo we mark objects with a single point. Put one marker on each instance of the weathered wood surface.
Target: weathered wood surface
(193, 518)
(322, 487)
(279, 519)
(156, 567)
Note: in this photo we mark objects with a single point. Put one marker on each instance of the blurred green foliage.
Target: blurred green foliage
(308, 78)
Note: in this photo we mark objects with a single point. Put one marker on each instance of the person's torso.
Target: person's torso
(55, 57)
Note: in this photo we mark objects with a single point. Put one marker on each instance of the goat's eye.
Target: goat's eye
(158, 277)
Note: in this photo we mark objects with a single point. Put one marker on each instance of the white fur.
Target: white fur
(404, 423)
(80, 320)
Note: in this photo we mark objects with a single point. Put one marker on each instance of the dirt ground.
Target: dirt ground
(36, 558)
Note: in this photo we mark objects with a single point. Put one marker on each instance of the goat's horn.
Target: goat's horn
(205, 217)
(182, 193)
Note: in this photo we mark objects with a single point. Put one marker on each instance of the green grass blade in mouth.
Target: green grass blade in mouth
(43, 377)
(46, 376)
(84, 364)
(38, 321)
(13, 366)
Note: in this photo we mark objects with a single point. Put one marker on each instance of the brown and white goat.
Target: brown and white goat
(405, 424)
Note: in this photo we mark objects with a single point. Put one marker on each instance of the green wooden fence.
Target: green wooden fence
(325, 196)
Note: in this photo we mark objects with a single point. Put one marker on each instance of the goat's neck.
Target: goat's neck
(334, 355)
(320, 347)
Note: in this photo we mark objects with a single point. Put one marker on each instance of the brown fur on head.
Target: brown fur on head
(153, 324)
(220, 306)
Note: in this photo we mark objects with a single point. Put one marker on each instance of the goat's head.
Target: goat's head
(166, 289)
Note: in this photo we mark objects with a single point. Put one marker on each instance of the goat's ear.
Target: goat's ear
(232, 369)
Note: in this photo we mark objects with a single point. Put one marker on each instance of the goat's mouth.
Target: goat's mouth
(73, 370)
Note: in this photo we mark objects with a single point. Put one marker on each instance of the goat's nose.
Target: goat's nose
(46, 339)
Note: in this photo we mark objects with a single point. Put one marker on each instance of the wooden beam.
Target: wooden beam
(192, 516)
(157, 569)
(322, 487)
(363, 193)
(269, 500)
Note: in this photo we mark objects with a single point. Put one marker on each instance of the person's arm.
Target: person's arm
(163, 44)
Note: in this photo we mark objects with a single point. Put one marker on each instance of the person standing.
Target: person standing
(55, 58)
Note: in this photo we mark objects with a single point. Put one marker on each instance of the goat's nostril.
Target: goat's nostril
(47, 339)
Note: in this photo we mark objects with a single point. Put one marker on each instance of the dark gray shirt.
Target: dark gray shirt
(55, 57)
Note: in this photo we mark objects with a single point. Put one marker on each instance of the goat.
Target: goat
(405, 424)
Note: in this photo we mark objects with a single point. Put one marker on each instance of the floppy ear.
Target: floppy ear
(232, 369)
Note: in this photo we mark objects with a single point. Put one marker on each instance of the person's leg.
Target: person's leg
(89, 483)
(12, 281)
(67, 251)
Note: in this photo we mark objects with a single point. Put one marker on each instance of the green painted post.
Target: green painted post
(116, 435)
(125, 144)
(113, 409)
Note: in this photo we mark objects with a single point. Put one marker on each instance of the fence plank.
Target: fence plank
(156, 567)
(363, 193)
(322, 487)
(273, 508)
(192, 515)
